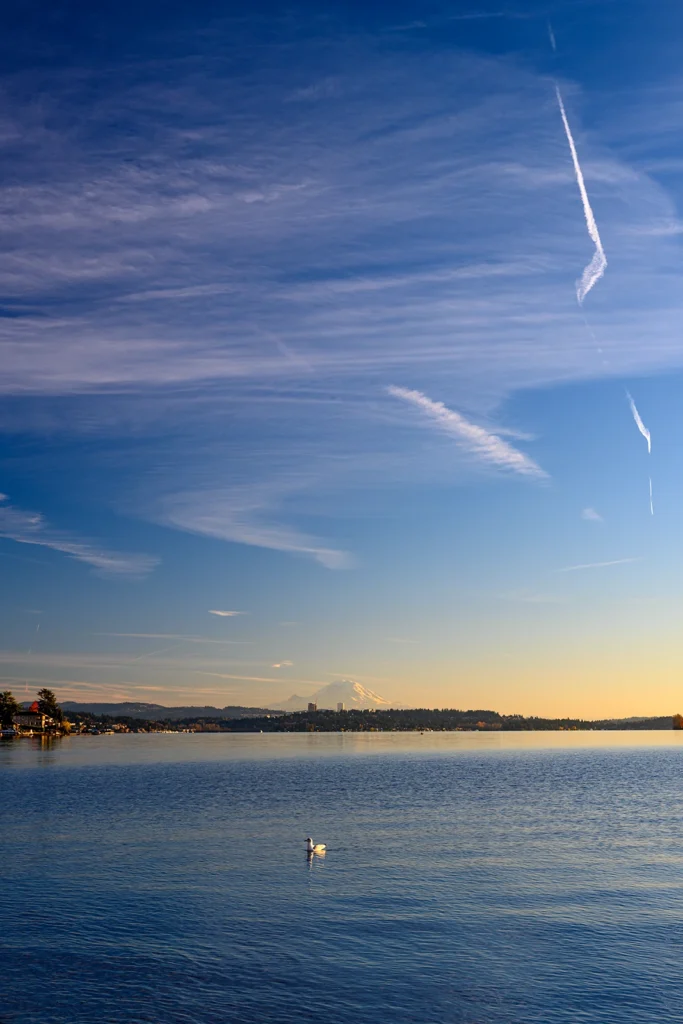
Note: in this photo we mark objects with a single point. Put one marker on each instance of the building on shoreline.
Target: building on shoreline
(33, 720)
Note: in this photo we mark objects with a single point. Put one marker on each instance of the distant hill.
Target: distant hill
(345, 691)
(358, 701)
(635, 722)
(429, 720)
(138, 709)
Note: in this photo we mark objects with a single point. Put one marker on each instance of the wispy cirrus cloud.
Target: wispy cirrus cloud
(239, 515)
(93, 232)
(224, 614)
(591, 516)
(263, 679)
(475, 440)
(190, 639)
(251, 271)
(32, 528)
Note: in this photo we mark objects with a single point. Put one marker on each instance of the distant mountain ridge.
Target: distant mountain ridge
(353, 695)
(345, 691)
(139, 709)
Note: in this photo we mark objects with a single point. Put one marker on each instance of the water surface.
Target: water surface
(487, 879)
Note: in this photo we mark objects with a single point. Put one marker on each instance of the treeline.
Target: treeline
(411, 720)
(46, 704)
(421, 719)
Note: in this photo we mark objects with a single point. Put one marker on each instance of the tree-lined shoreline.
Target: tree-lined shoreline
(14, 716)
(43, 715)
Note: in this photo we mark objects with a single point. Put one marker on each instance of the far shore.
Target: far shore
(416, 720)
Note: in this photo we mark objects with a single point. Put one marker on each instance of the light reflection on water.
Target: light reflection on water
(142, 748)
(474, 878)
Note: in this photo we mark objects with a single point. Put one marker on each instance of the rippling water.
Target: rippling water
(478, 879)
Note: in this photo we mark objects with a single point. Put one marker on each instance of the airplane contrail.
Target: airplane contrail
(639, 423)
(551, 36)
(596, 268)
(646, 434)
(472, 438)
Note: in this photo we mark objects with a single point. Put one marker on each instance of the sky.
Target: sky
(294, 381)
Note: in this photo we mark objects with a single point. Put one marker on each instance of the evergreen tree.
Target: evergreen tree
(47, 703)
(8, 709)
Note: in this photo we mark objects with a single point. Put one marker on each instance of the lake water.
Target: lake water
(469, 878)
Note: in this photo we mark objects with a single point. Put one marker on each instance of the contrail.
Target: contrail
(471, 437)
(551, 36)
(597, 565)
(596, 268)
(639, 423)
(646, 434)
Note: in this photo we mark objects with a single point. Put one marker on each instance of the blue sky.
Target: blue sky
(289, 328)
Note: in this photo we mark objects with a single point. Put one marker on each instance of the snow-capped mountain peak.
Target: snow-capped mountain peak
(345, 691)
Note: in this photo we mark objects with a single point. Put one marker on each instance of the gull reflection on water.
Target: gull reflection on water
(312, 857)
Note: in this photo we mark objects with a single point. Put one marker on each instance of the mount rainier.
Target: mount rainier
(353, 695)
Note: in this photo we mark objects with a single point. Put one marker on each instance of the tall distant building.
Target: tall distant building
(340, 705)
(312, 706)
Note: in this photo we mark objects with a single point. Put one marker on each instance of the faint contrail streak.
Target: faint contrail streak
(596, 268)
(639, 423)
(646, 434)
(597, 565)
(551, 36)
(150, 654)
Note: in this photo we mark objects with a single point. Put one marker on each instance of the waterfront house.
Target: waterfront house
(32, 719)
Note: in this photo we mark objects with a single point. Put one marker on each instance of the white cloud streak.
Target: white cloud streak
(596, 268)
(175, 636)
(262, 679)
(591, 515)
(224, 614)
(646, 434)
(639, 423)
(239, 516)
(32, 528)
(598, 565)
(475, 440)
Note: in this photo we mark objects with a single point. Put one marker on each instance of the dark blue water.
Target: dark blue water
(165, 880)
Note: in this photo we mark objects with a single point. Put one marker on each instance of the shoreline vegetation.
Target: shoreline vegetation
(45, 717)
(415, 720)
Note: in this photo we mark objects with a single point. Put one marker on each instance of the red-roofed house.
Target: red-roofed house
(32, 719)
